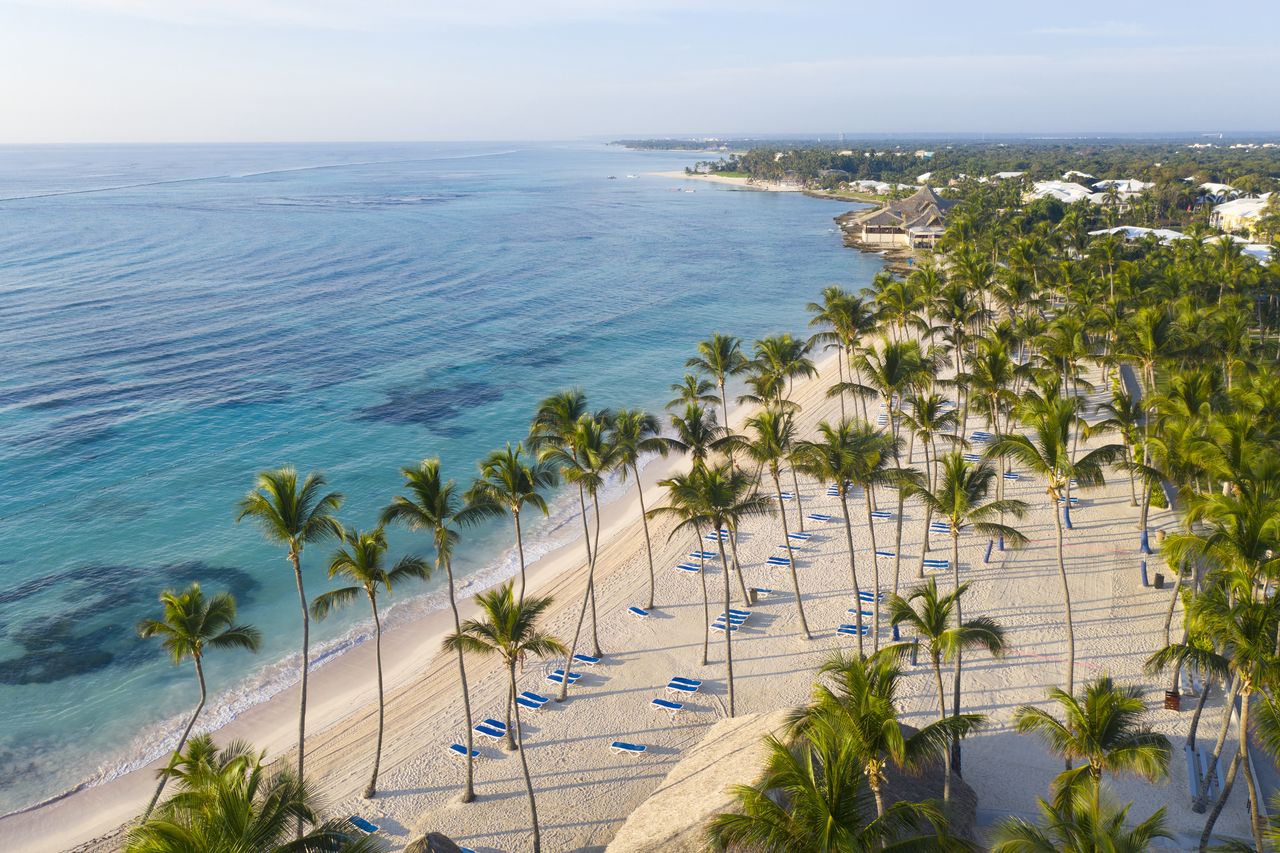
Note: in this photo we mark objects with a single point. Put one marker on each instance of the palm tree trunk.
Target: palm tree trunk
(791, 559)
(942, 715)
(182, 741)
(795, 484)
(591, 579)
(840, 368)
(853, 566)
(1066, 606)
(524, 763)
(644, 519)
(586, 597)
(1222, 801)
(1133, 482)
(1202, 801)
(737, 567)
(897, 551)
(591, 593)
(468, 793)
(706, 603)
(1195, 717)
(728, 634)
(1255, 810)
(515, 514)
(370, 791)
(875, 577)
(873, 782)
(296, 559)
(955, 686)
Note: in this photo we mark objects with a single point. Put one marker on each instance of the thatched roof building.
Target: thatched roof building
(916, 221)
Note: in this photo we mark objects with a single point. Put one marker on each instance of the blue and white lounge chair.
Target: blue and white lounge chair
(461, 751)
(817, 516)
(703, 555)
(696, 682)
(866, 595)
(719, 626)
(363, 825)
(627, 748)
(788, 496)
(1012, 475)
(667, 705)
(723, 536)
(528, 703)
(881, 515)
(777, 561)
(1075, 501)
(734, 611)
(678, 687)
(586, 660)
(762, 592)
(534, 697)
(557, 677)
(972, 457)
(854, 612)
(852, 630)
(638, 613)
(733, 620)
(490, 731)
(688, 568)
(882, 553)
(932, 563)
(833, 491)
(940, 527)
(980, 436)
(801, 536)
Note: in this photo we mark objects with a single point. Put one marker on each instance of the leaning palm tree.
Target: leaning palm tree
(813, 798)
(724, 497)
(1079, 828)
(1103, 728)
(1047, 453)
(584, 461)
(435, 506)
(929, 615)
(507, 480)
(227, 803)
(773, 437)
(637, 434)
(191, 624)
(720, 357)
(509, 630)
(858, 697)
(294, 514)
(361, 559)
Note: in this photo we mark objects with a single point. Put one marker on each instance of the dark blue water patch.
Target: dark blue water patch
(93, 624)
(431, 407)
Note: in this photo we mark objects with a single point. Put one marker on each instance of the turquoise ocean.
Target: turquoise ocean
(174, 319)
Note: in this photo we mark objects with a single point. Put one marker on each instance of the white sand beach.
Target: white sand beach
(744, 183)
(585, 791)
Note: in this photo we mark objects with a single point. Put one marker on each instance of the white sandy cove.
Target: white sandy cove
(745, 183)
(585, 791)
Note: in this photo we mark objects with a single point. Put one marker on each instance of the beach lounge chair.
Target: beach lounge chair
(723, 536)
(817, 516)
(972, 457)
(586, 660)
(667, 705)
(833, 491)
(940, 527)
(881, 515)
(733, 611)
(852, 630)
(466, 850)
(557, 677)
(490, 732)
(866, 595)
(800, 536)
(883, 553)
(703, 555)
(932, 563)
(762, 592)
(638, 613)
(788, 496)
(719, 626)
(733, 619)
(680, 687)
(1075, 501)
(854, 612)
(627, 748)
(1012, 475)
(461, 751)
(534, 697)
(696, 682)
(777, 561)
(528, 703)
(363, 825)
(688, 568)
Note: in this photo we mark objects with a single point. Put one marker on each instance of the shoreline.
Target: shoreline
(740, 183)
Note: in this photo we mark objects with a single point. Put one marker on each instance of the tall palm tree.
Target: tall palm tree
(773, 437)
(847, 318)
(1047, 453)
(189, 625)
(637, 434)
(724, 496)
(929, 419)
(684, 503)
(860, 700)
(294, 515)
(1079, 829)
(698, 434)
(584, 461)
(227, 803)
(784, 358)
(692, 389)
(361, 559)
(929, 615)
(720, 357)
(509, 630)
(435, 506)
(812, 798)
(1124, 415)
(507, 480)
(838, 458)
(1103, 728)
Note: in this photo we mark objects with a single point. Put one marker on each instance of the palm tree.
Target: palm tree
(719, 356)
(434, 505)
(227, 803)
(635, 434)
(1048, 454)
(507, 480)
(692, 389)
(861, 704)
(812, 798)
(944, 641)
(510, 631)
(1103, 728)
(684, 504)
(929, 419)
(294, 515)
(838, 458)
(848, 318)
(361, 559)
(1079, 828)
(722, 496)
(1124, 414)
(774, 439)
(585, 459)
(192, 623)
(698, 434)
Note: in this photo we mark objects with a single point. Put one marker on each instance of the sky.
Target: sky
(400, 70)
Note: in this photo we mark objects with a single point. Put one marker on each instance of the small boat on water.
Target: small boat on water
(613, 177)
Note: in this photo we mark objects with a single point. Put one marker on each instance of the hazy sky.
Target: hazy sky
(248, 70)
